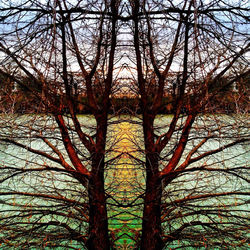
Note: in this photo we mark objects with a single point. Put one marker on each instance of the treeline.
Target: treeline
(228, 98)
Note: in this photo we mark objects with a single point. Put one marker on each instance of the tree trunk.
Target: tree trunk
(151, 225)
(98, 220)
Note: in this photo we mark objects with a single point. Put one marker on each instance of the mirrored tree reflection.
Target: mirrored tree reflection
(124, 124)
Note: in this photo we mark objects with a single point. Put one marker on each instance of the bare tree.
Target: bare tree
(184, 52)
(65, 58)
(65, 52)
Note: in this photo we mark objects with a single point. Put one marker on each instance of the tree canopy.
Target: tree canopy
(159, 160)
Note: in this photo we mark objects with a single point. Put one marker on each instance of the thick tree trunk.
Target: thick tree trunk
(151, 225)
(98, 220)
